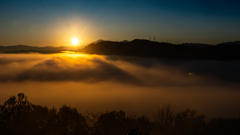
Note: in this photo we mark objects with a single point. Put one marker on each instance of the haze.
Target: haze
(136, 85)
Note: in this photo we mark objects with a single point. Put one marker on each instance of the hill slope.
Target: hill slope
(146, 48)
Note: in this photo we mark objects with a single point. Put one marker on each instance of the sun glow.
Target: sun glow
(75, 41)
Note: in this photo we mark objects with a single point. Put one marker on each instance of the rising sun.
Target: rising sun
(75, 41)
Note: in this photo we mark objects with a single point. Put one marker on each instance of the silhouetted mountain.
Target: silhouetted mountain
(27, 49)
(125, 41)
(197, 45)
(143, 48)
(231, 43)
(98, 41)
(146, 48)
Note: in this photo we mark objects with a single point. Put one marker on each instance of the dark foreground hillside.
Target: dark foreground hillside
(18, 116)
(146, 48)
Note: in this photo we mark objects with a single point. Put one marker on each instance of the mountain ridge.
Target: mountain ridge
(143, 48)
(146, 48)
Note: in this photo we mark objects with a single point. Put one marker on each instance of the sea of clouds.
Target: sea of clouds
(133, 84)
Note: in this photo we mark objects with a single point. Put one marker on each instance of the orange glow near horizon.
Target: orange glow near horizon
(72, 54)
(73, 27)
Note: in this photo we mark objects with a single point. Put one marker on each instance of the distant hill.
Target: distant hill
(28, 49)
(146, 48)
(231, 43)
(197, 45)
(143, 48)
(98, 41)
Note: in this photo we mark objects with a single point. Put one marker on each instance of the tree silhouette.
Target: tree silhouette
(223, 126)
(112, 123)
(189, 123)
(164, 120)
(136, 132)
(20, 117)
(117, 123)
(71, 122)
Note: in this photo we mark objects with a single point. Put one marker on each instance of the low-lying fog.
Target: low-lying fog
(135, 85)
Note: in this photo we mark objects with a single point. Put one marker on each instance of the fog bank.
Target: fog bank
(135, 85)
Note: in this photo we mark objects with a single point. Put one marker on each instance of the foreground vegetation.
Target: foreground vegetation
(20, 117)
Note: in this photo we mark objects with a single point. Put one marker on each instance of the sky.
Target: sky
(56, 22)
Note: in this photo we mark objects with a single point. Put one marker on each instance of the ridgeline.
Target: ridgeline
(142, 48)
(146, 48)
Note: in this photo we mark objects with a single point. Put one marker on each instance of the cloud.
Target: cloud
(133, 84)
(125, 70)
(226, 71)
(69, 69)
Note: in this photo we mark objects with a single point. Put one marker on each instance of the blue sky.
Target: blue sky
(55, 22)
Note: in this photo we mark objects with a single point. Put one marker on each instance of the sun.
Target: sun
(75, 41)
